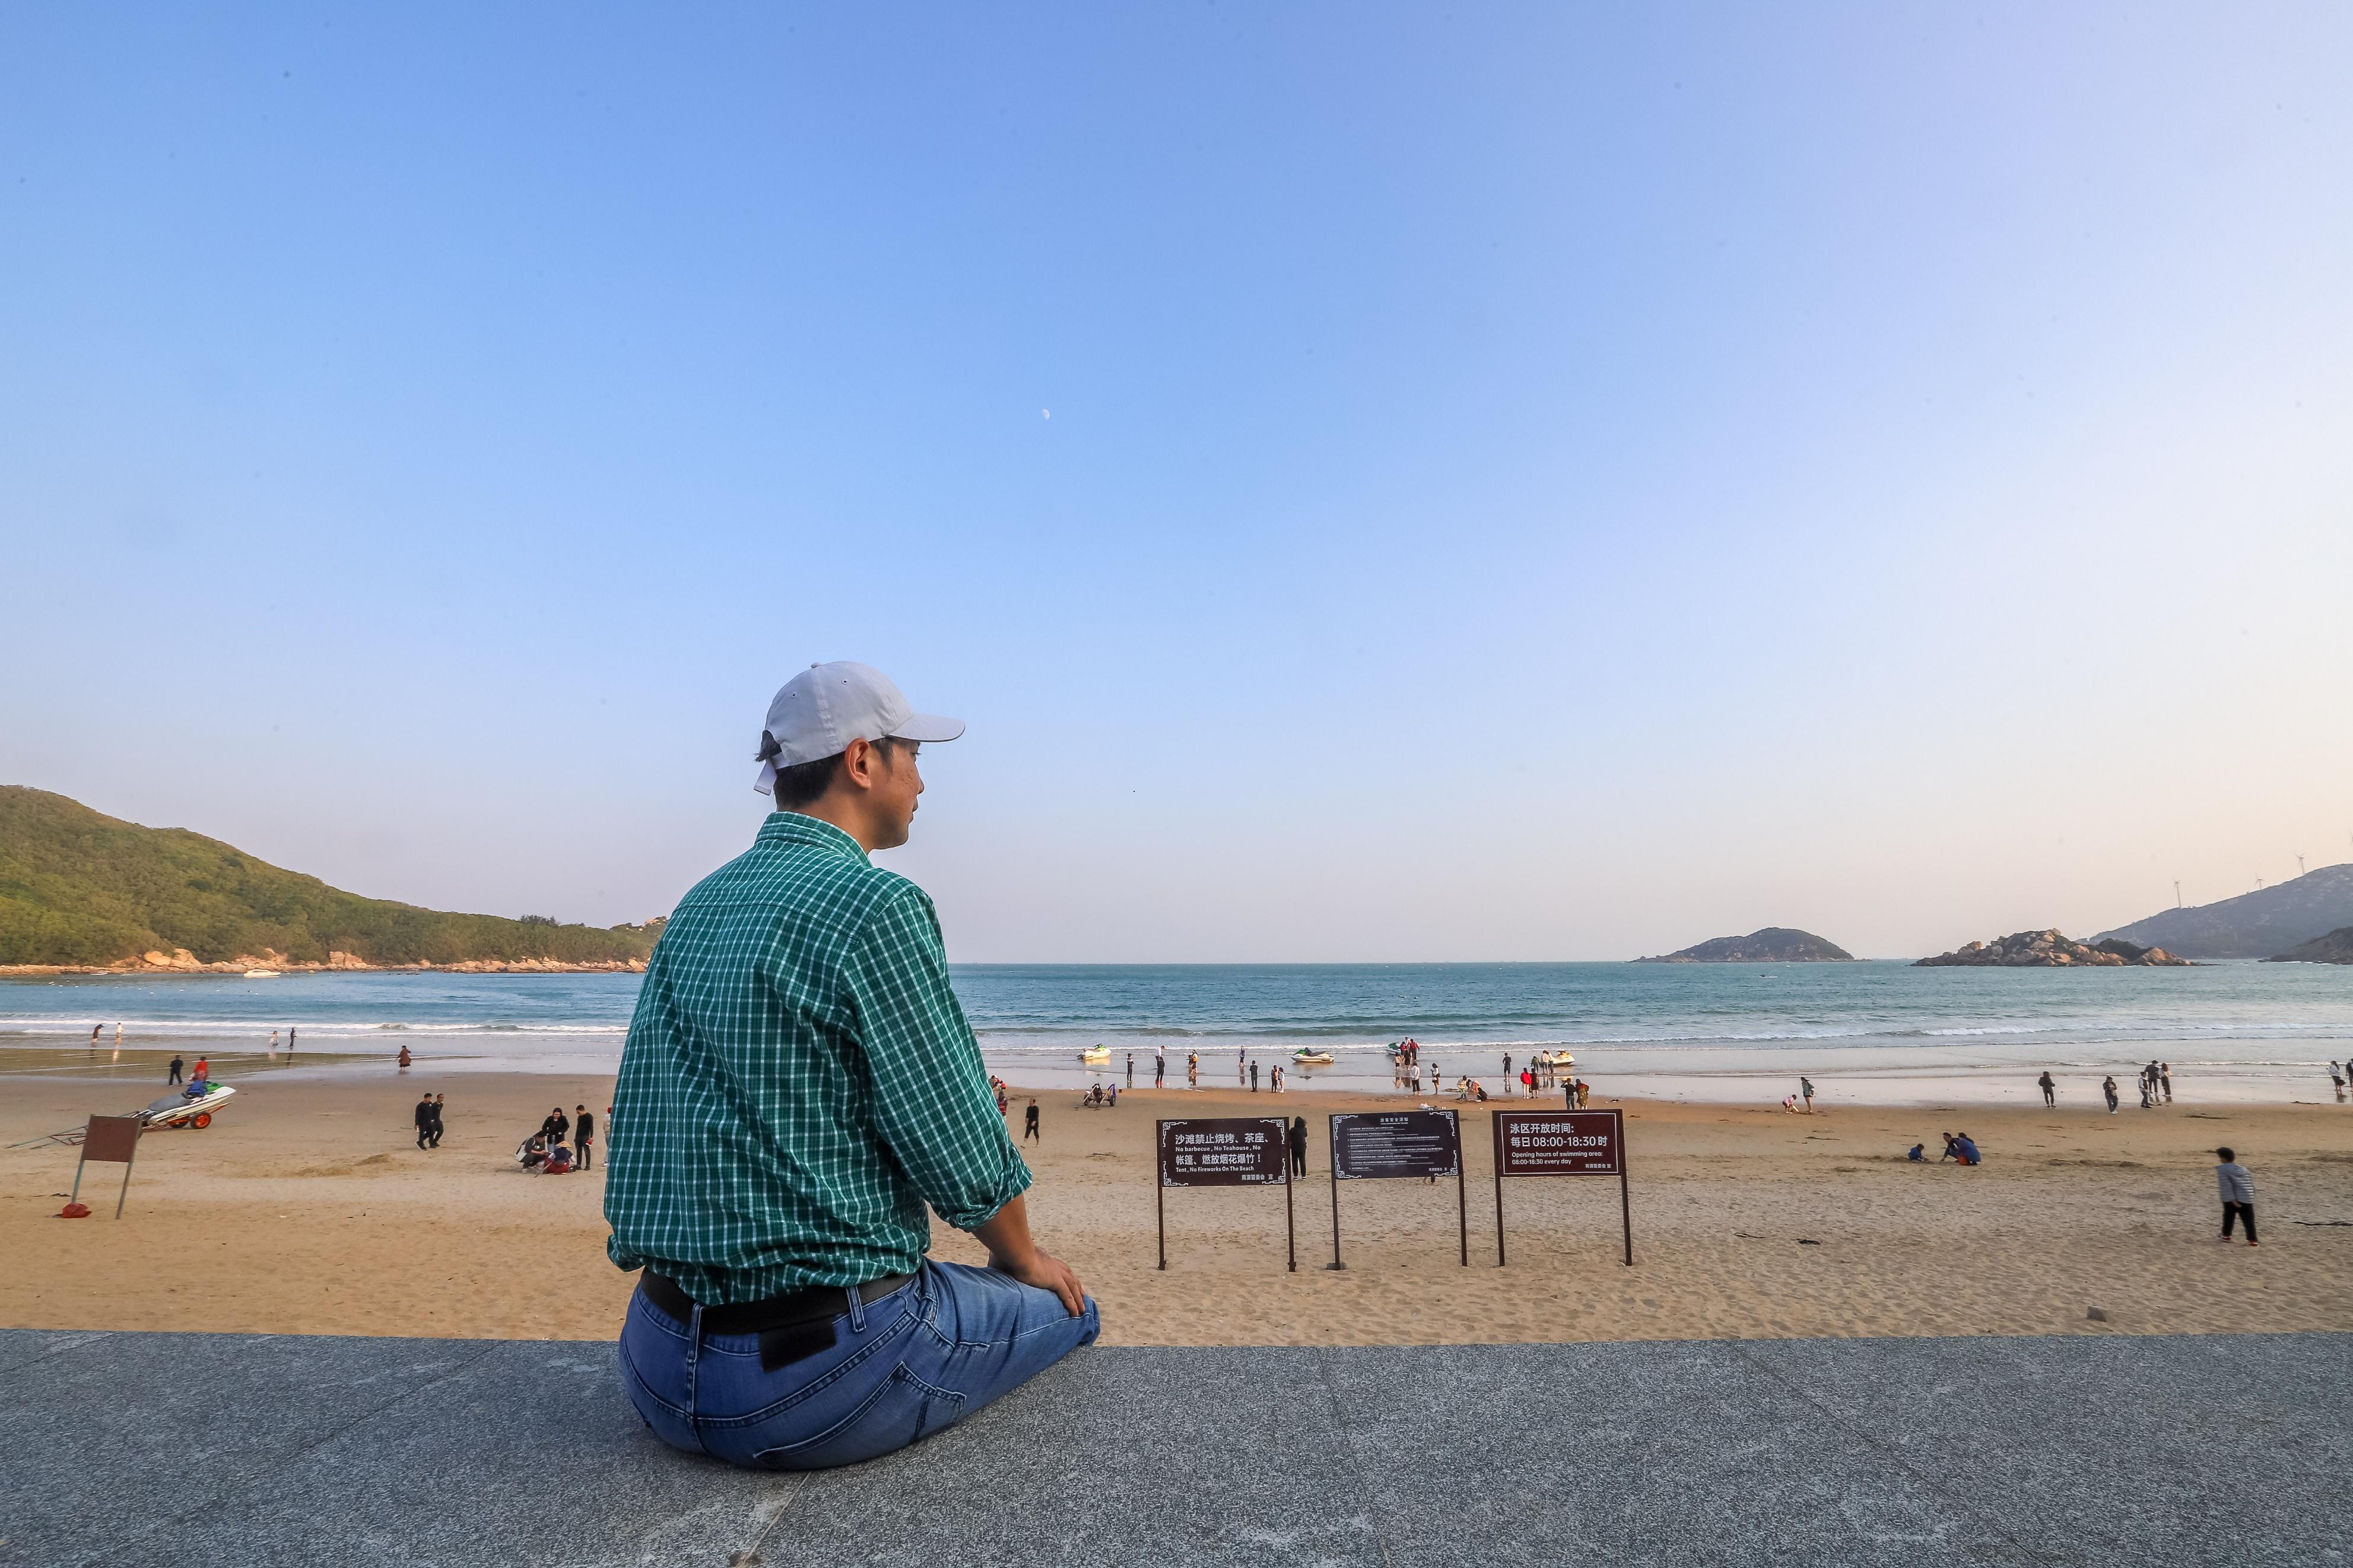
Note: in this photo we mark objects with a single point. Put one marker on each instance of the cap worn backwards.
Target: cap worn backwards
(824, 708)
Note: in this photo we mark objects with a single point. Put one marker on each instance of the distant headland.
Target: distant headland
(2252, 925)
(1774, 944)
(2336, 947)
(81, 892)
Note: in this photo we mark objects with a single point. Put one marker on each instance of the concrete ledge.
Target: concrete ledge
(172, 1448)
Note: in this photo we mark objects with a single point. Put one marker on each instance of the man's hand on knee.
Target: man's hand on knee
(1005, 1234)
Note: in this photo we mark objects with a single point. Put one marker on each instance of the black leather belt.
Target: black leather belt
(791, 1326)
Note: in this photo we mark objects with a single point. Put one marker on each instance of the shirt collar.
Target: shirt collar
(792, 827)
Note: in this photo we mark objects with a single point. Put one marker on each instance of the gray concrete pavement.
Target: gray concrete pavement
(161, 1449)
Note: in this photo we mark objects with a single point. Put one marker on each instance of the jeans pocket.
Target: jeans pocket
(902, 1410)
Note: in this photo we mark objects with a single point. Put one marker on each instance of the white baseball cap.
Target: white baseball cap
(826, 706)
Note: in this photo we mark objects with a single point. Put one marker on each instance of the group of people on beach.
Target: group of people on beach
(2156, 1088)
(562, 1145)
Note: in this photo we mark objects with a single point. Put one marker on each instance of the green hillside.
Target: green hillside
(78, 888)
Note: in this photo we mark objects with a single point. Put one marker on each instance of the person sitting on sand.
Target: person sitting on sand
(1917, 1154)
(559, 1161)
(1967, 1147)
(1789, 1103)
(534, 1151)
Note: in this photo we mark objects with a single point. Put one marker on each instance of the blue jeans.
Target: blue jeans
(901, 1367)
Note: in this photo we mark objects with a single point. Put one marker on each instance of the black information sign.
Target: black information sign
(1368, 1146)
(1226, 1152)
(1396, 1144)
(1562, 1143)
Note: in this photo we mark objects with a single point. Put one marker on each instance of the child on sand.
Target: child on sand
(2238, 1194)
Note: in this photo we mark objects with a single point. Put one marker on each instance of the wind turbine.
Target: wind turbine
(2299, 865)
(2177, 892)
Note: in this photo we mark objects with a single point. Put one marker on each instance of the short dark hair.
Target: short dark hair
(804, 782)
(2227, 1155)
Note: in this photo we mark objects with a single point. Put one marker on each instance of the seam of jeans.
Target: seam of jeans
(629, 1366)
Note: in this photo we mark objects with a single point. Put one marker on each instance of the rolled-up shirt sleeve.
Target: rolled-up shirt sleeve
(932, 1103)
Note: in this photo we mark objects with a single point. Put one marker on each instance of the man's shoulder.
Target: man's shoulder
(806, 887)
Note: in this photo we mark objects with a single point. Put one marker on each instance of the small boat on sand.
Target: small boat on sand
(1096, 1054)
(187, 1110)
(1306, 1058)
(1554, 1058)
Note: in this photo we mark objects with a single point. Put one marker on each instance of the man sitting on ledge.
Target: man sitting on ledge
(798, 1083)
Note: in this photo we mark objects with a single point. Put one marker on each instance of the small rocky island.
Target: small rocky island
(2049, 949)
(1774, 944)
(2336, 947)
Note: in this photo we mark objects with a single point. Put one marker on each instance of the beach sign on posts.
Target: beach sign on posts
(1562, 1143)
(1225, 1151)
(1373, 1145)
(112, 1139)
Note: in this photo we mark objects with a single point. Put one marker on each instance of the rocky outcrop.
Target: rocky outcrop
(2336, 947)
(1774, 944)
(2049, 949)
(180, 960)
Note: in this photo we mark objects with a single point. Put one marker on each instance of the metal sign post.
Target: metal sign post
(1370, 1145)
(112, 1139)
(1226, 1152)
(1562, 1143)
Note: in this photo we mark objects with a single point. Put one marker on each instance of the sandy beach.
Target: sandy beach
(307, 1209)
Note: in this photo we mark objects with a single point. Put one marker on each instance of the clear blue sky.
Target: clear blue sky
(1520, 483)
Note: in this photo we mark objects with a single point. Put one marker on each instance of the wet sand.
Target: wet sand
(306, 1208)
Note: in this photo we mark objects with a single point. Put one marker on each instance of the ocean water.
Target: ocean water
(1870, 1031)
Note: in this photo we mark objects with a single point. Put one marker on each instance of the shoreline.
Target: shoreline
(333, 1060)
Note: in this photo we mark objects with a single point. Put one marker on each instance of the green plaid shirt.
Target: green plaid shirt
(800, 1082)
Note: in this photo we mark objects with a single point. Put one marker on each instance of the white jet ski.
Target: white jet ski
(187, 1110)
(1306, 1058)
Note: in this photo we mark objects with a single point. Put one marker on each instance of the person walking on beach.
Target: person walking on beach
(94, 1028)
(583, 1133)
(1298, 1145)
(2238, 1194)
(799, 1092)
(1029, 1123)
(2108, 1087)
(1806, 1092)
(2050, 1090)
(289, 1043)
(423, 1116)
(202, 1070)
(1130, 1070)
(1193, 1069)
(1159, 1066)
(176, 1065)
(273, 1045)
(440, 1107)
(1253, 1072)
(2165, 1080)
